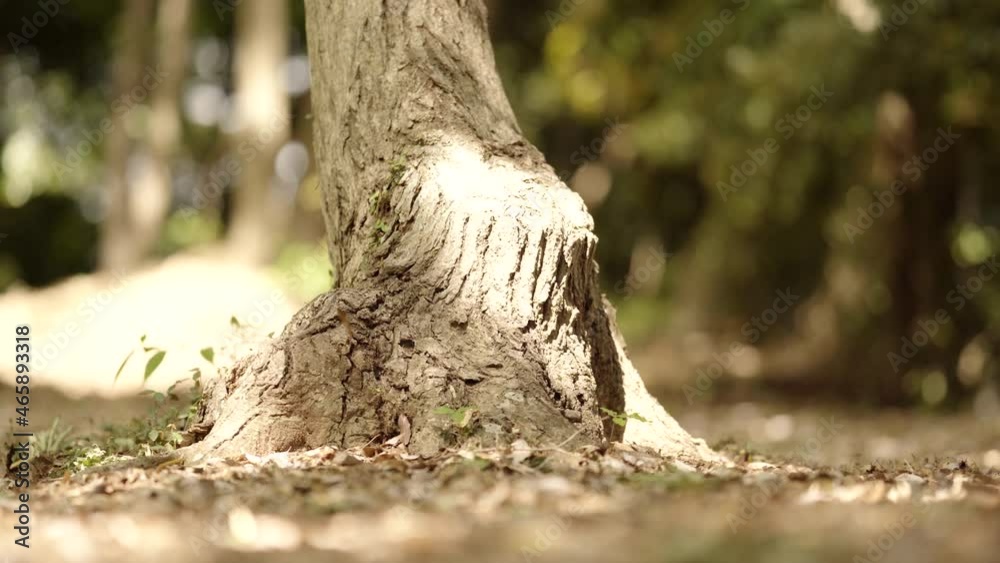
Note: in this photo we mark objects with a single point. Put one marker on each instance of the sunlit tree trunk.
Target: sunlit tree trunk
(173, 35)
(466, 272)
(119, 248)
(263, 116)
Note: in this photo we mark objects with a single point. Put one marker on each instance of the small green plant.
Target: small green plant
(621, 418)
(51, 442)
(172, 413)
(462, 423)
(396, 170)
(153, 361)
(89, 458)
(460, 417)
(161, 431)
(52, 449)
(158, 433)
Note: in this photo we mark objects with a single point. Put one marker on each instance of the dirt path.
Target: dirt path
(825, 493)
(82, 328)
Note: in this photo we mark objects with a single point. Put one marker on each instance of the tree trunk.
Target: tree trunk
(173, 26)
(119, 249)
(465, 268)
(263, 112)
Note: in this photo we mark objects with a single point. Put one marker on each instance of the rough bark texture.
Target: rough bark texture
(466, 272)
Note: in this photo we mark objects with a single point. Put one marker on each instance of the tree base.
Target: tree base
(474, 318)
(357, 366)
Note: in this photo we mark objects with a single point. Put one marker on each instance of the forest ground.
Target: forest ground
(885, 486)
(808, 482)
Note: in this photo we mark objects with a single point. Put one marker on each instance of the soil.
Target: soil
(805, 483)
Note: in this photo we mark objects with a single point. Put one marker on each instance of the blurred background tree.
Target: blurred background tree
(719, 179)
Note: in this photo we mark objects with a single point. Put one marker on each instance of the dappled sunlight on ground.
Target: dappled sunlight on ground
(836, 434)
(83, 328)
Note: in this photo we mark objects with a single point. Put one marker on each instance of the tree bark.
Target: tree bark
(465, 268)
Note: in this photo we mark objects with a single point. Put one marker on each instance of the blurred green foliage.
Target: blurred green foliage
(701, 88)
